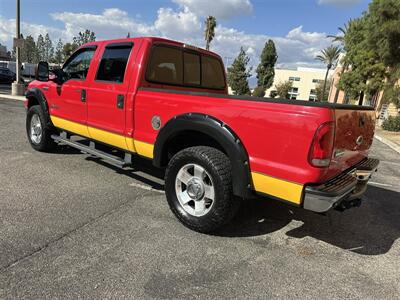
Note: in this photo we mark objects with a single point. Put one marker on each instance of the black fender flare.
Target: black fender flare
(221, 133)
(37, 94)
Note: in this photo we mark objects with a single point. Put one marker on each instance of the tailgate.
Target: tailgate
(353, 137)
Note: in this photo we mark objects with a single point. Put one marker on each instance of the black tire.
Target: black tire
(218, 166)
(46, 143)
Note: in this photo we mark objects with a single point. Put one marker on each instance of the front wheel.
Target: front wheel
(198, 185)
(39, 134)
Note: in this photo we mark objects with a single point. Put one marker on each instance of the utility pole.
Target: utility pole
(18, 87)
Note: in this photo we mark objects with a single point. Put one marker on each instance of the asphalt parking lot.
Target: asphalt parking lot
(75, 227)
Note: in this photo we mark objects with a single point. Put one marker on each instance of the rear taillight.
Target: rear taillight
(322, 146)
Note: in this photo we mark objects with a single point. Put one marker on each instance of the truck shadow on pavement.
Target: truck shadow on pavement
(142, 171)
(368, 230)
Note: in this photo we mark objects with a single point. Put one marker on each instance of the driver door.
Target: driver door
(68, 100)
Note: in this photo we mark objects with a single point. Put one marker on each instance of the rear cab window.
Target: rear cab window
(165, 66)
(176, 66)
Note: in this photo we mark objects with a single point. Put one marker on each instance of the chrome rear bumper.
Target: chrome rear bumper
(341, 191)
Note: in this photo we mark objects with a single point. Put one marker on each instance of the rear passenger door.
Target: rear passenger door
(107, 95)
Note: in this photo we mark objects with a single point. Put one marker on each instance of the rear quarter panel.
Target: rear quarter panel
(277, 137)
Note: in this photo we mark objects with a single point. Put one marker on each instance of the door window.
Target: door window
(113, 64)
(77, 66)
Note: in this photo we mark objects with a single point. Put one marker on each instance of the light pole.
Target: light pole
(17, 87)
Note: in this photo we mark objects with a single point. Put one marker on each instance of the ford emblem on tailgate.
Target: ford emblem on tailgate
(359, 140)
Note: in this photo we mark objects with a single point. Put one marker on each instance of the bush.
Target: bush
(259, 91)
(392, 124)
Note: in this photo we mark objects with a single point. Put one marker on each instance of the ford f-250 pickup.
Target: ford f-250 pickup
(168, 102)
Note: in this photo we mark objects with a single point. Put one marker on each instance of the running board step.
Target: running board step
(91, 149)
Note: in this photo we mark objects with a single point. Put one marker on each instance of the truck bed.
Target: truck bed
(265, 99)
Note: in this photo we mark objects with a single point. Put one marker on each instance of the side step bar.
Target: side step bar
(91, 149)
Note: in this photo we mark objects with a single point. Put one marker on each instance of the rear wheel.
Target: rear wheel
(39, 133)
(198, 187)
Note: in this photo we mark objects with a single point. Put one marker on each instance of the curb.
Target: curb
(11, 97)
(392, 145)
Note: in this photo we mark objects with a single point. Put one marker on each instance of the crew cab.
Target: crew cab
(168, 102)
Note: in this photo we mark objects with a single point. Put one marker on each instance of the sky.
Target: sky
(299, 28)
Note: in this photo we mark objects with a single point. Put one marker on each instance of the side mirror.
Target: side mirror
(57, 76)
(42, 71)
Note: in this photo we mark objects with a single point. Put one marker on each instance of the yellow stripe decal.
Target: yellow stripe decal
(144, 149)
(286, 190)
(130, 143)
(108, 138)
(262, 183)
(70, 126)
(120, 141)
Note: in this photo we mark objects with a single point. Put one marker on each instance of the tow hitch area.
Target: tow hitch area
(346, 204)
(342, 192)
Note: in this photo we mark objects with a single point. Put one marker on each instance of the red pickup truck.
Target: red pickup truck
(168, 102)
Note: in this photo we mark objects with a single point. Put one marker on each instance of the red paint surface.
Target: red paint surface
(276, 136)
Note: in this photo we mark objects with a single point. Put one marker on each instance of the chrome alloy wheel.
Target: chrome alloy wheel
(36, 129)
(194, 190)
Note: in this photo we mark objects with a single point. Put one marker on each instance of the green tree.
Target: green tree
(84, 37)
(283, 88)
(59, 54)
(340, 39)
(29, 52)
(209, 32)
(266, 69)
(68, 49)
(329, 56)
(372, 44)
(391, 91)
(41, 48)
(383, 26)
(367, 72)
(48, 49)
(238, 74)
(322, 94)
(384, 38)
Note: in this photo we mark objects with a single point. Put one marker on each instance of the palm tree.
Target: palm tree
(329, 56)
(343, 30)
(209, 33)
(341, 39)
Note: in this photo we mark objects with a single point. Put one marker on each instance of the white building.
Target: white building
(304, 80)
(3, 53)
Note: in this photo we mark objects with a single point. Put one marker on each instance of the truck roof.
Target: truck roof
(155, 40)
